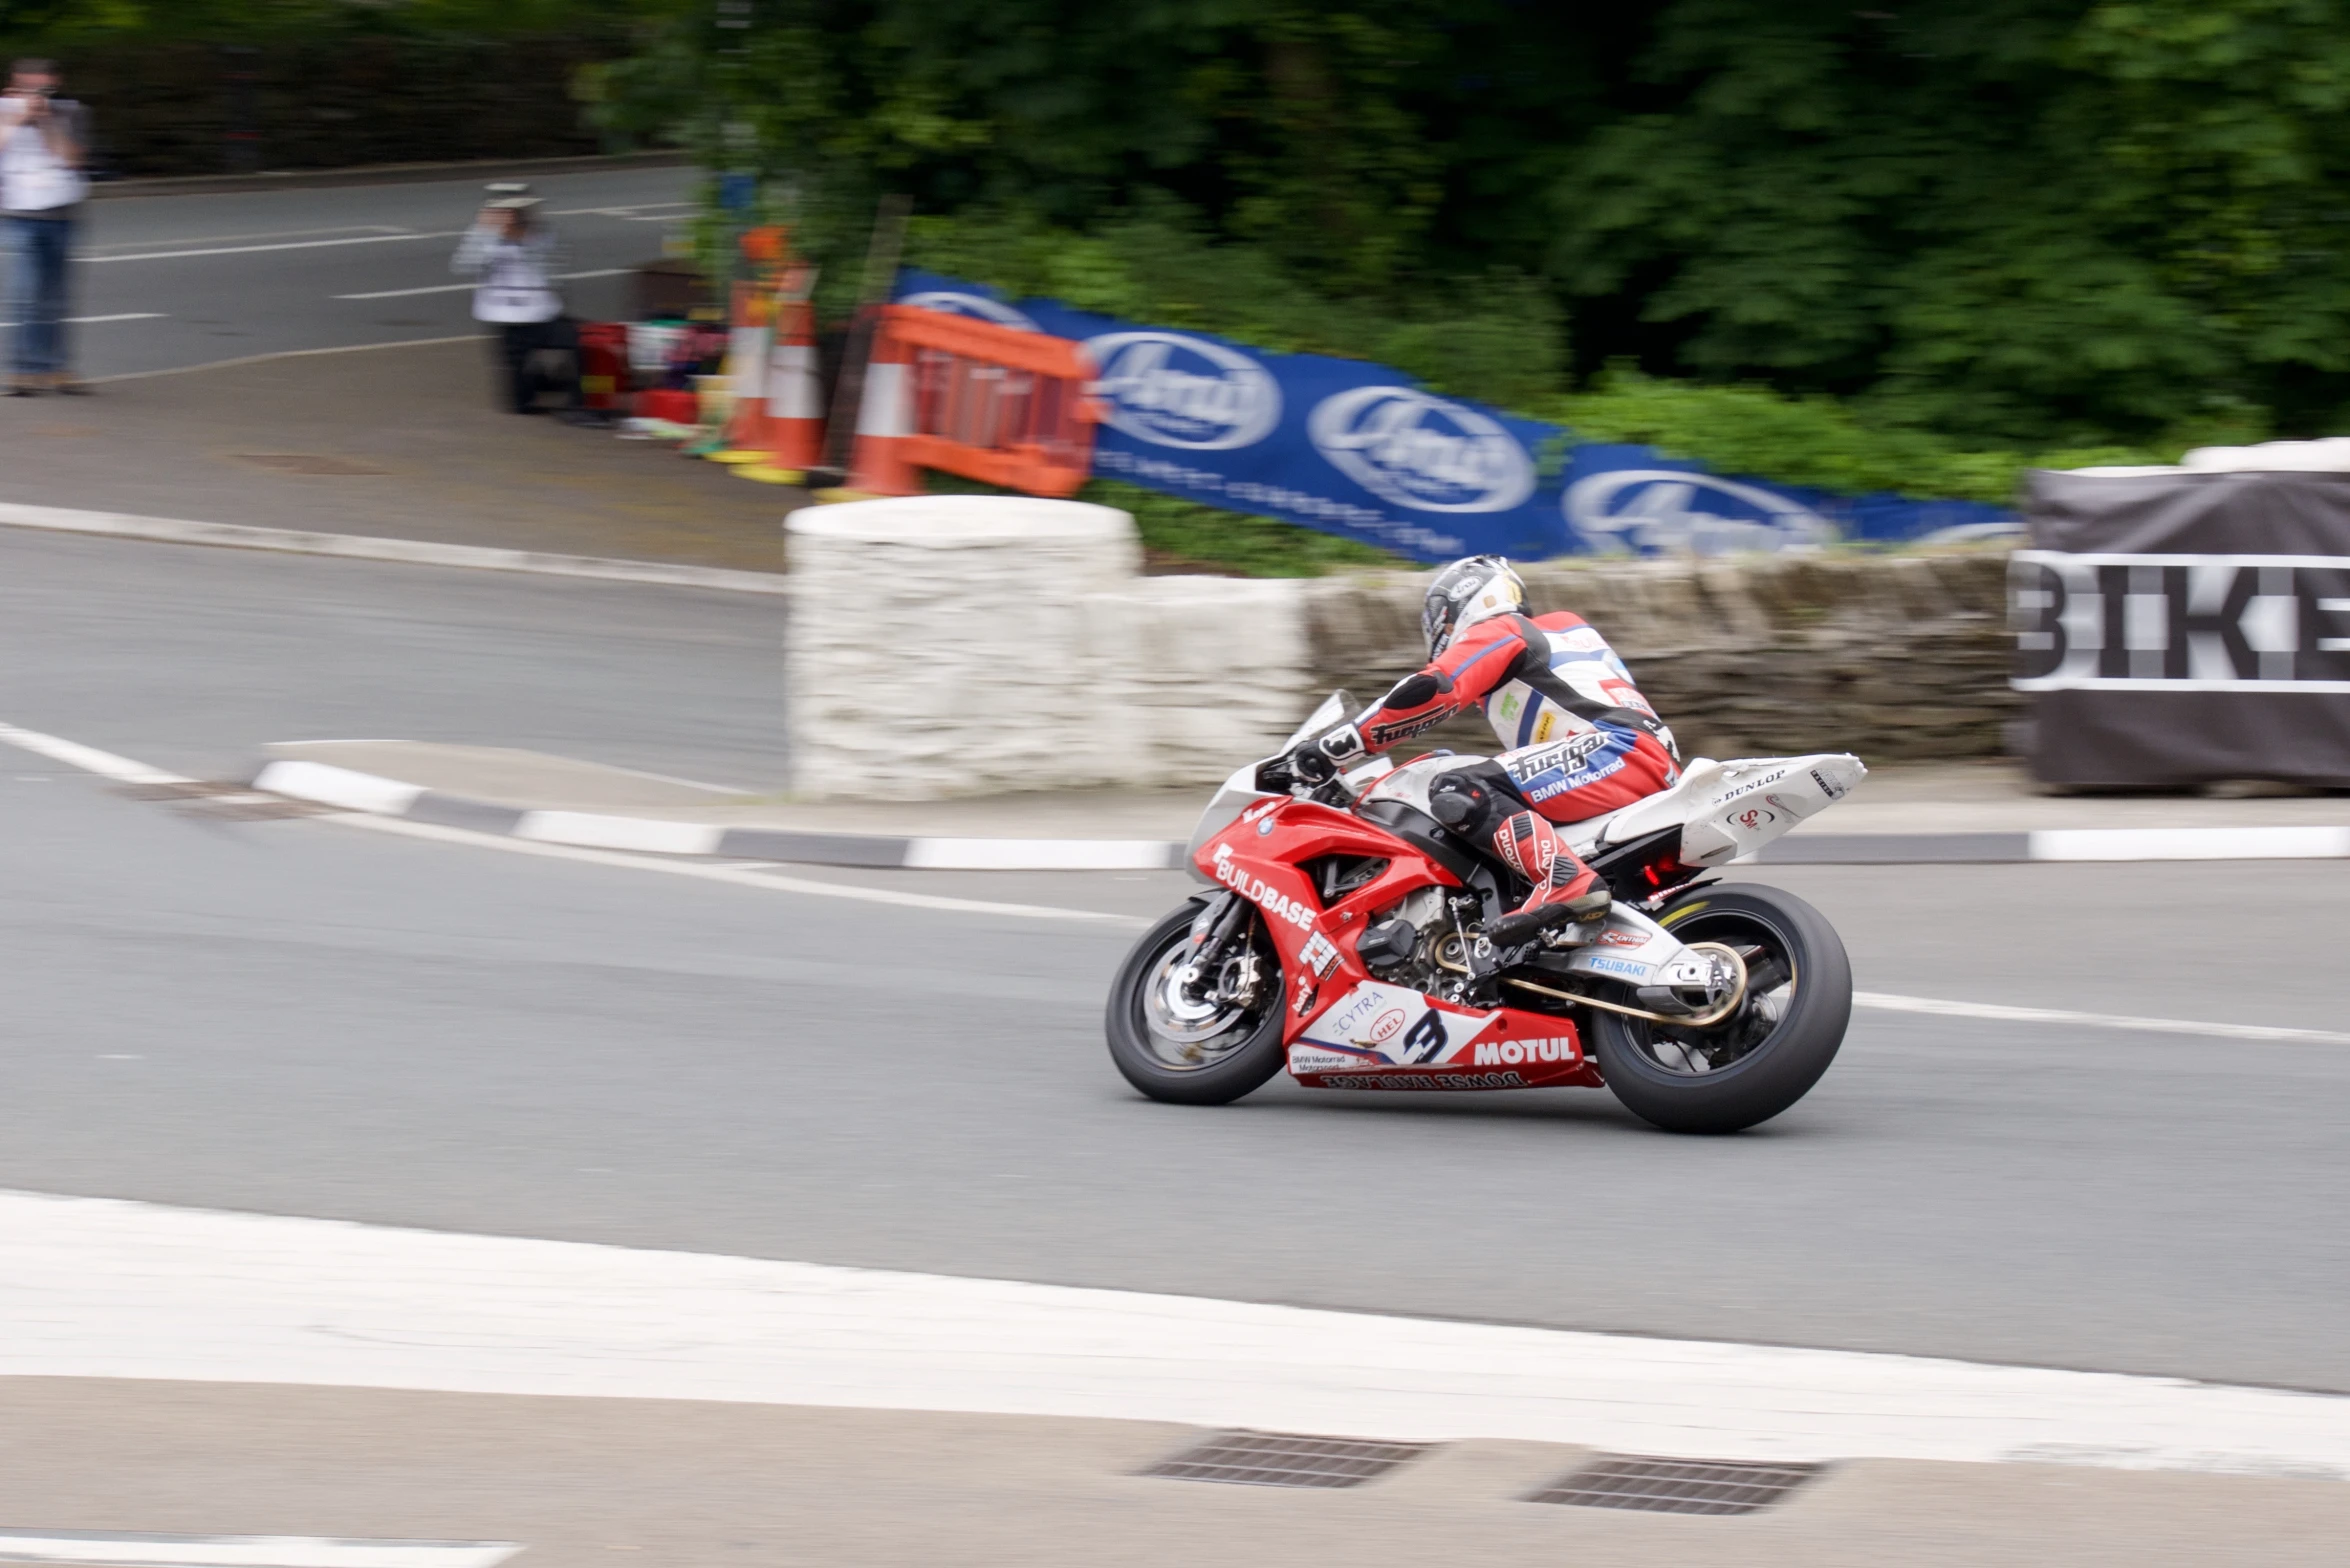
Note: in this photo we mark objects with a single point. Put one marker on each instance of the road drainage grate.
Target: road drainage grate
(234, 801)
(1676, 1486)
(1286, 1459)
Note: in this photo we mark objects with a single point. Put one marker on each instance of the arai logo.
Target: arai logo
(1173, 390)
(954, 302)
(1659, 510)
(1417, 450)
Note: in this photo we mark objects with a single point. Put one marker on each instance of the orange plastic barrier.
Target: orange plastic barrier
(974, 398)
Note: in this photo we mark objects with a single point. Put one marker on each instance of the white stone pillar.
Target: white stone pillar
(941, 645)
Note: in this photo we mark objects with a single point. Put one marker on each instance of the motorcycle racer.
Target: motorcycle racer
(1580, 738)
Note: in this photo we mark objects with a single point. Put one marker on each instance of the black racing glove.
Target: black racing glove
(1310, 765)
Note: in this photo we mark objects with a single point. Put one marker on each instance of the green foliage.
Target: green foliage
(1501, 340)
(1811, 439)
(2012, 224)
(1180, 535)
(1186, 534)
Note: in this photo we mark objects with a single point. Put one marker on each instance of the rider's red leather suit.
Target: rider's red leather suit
(1581, 739)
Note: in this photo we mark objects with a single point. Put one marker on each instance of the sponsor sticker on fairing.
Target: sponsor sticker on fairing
(1319, 953)
(1317, 1059)
(1749, 787)
(1429, 1081)
(1395, 1021)
(1559, 1048)
(1271, 900)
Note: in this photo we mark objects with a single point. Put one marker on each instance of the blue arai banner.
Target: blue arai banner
(1362, 450)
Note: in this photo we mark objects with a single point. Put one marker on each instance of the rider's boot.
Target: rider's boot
(1566, 891)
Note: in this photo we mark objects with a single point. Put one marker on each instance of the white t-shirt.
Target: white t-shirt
(33, 178)
(516, 276)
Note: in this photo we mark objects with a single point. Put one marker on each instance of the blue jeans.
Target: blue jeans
(39, 251)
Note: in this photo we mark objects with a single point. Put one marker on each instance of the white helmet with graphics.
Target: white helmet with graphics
(1473, 589)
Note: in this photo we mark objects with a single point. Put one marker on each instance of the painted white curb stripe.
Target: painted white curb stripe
(2283, 843)
(644, 834)
(408, 552)
(1036, 854)
(244, 1551)
(328, 785)
(102, 1288)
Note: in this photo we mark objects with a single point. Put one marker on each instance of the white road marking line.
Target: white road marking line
(747, 873)
(94, 1287)
(239, 239)
(247, 250)
(290, 353)
(620, 212)
(92, 321)
(740, 874)
(2051, 1015)
(243, 1551)
(410, 552)
(598, 831)
(757, 874)
(1036, 854)
(87, 758)
(453, 288)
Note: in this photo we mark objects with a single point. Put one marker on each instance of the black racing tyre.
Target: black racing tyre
(1193, 1053)
(1763, 1059)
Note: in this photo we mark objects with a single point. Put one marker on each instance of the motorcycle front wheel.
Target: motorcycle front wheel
(1767, 1055)
(1176, 1046)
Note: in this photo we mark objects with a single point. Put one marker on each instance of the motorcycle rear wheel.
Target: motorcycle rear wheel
(1767, 1056)
(1180, 1052)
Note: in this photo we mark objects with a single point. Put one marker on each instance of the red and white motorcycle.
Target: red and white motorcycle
(1345, 941)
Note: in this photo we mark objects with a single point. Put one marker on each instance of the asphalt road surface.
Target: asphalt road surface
(165, 282)
(299, 1017)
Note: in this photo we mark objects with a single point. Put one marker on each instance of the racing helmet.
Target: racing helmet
(1472, 589)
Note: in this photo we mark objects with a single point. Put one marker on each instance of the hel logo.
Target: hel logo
(1491, 1052)
(1173, 390)
(1674, 511)
(1422, 452)
(954, 302)
(1385, 1027)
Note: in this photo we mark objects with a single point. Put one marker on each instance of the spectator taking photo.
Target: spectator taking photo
(513, 255)
(44, 143)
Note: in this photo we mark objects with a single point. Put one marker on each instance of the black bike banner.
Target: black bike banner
(2177, 627)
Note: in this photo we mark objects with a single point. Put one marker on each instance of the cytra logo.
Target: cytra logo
(956, 303)
(1420, 451)
(1173, 390)
(1667, 511)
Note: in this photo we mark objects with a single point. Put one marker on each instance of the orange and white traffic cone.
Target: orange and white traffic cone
(795, 390)
(746, 436)
(885, 419)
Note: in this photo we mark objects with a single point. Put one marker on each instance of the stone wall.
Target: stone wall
(1895, 657)
(964, 645)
